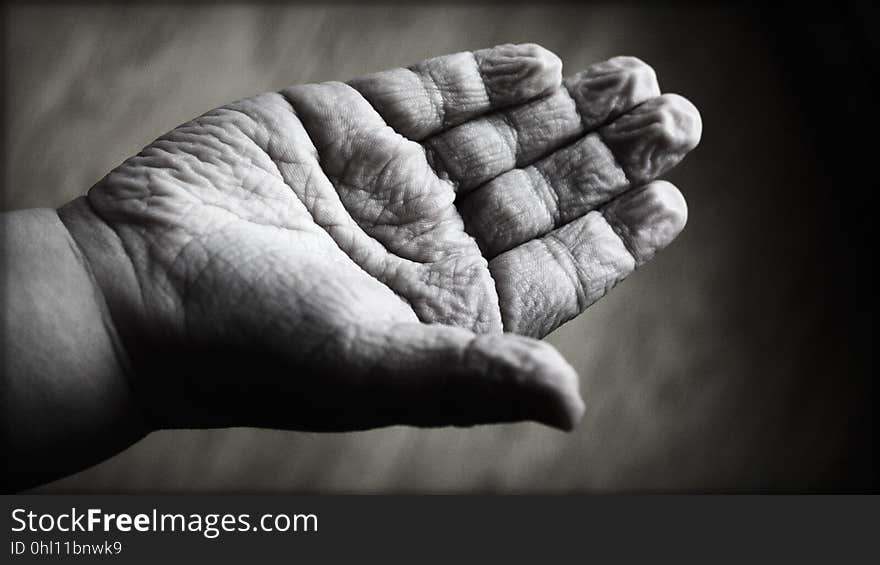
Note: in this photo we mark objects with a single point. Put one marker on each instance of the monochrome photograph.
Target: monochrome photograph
(504, 248)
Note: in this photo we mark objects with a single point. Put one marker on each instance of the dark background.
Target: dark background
(738, 360)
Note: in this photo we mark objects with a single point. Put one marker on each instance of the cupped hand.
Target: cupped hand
(342, 256)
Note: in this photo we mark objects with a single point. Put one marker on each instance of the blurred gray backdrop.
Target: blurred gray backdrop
(736, 361)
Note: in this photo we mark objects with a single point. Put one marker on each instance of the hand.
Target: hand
(342, 256)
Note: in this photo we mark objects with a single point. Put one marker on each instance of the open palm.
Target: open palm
(347, 255)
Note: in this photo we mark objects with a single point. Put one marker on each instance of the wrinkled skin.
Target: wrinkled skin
(384, 251)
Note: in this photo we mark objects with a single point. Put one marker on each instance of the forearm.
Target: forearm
(66, 398)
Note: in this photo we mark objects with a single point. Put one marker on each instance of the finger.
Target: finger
(436, 375)
(438, 93)
(546, 282)
(477, 151)
(523, 204)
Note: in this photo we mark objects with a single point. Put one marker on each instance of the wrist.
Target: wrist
(68, 401)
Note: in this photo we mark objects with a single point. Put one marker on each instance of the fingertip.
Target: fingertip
(541, 61)
(443, 375)
(563, 381)
(606, 90)
(570, 410)
(648, 218)
(688, 120)
(546, 385)
(515, 73)
(654, 137)
(547, 64)
(670, 203)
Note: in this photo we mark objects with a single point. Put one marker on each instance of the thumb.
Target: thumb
(436, 375)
